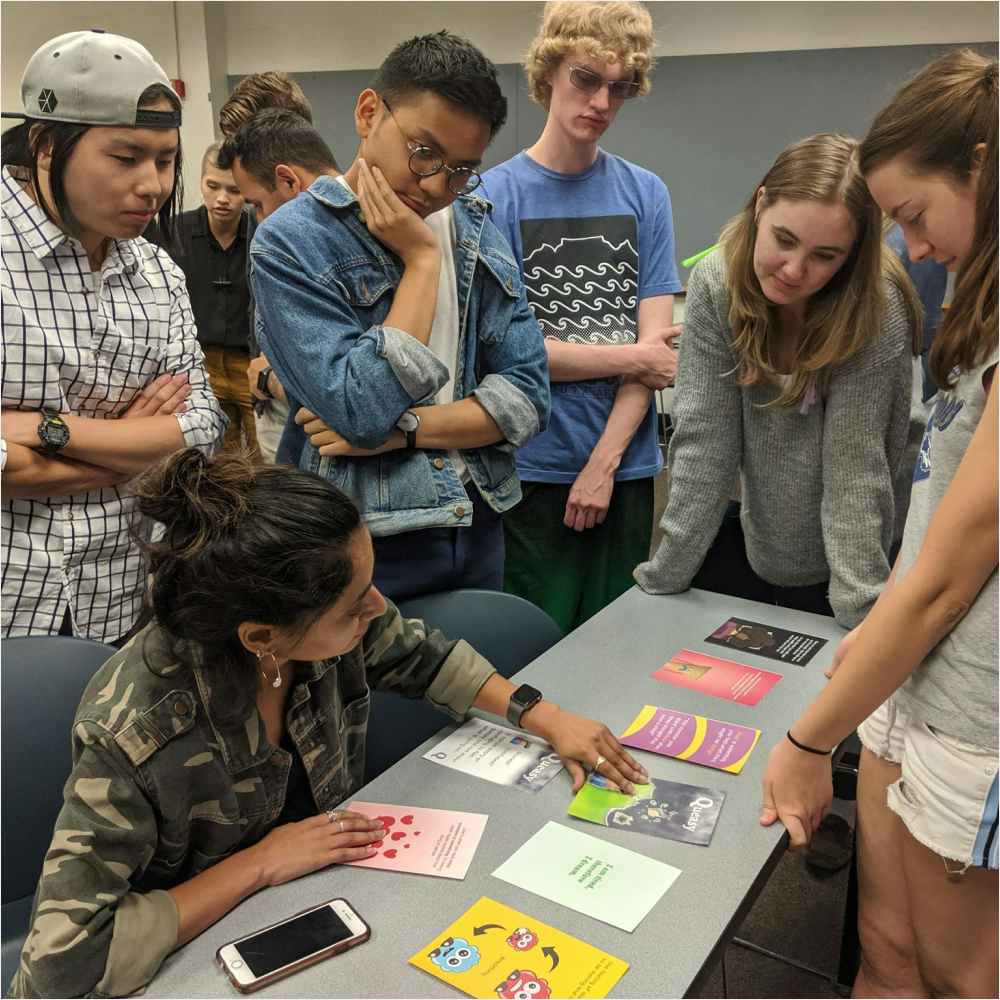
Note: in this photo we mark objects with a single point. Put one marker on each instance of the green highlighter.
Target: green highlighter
(691, 261)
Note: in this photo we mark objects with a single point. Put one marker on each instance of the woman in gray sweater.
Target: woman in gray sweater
(795, 375)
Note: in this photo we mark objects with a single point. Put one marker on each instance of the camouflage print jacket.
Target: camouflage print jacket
(160, 790)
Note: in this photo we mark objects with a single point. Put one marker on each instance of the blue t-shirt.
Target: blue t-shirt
(590, 246)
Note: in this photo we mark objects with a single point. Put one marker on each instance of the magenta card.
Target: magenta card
(719, 678)
(695, 738)
(424, 841)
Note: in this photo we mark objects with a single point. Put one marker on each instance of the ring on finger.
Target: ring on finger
(600, 760)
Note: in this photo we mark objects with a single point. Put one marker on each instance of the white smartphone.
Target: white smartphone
(268, 955)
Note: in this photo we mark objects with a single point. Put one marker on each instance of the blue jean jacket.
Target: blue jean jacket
(323, 287)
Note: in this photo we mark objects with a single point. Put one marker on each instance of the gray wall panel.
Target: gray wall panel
(710, 128)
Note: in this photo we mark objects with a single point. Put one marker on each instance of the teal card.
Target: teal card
(602, 880)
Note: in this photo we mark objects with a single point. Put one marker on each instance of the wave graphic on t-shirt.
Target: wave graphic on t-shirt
(584, 289)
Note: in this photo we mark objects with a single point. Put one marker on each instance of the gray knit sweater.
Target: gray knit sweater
(821, 490)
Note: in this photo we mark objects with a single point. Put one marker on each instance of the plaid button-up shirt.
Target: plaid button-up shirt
(85, 343)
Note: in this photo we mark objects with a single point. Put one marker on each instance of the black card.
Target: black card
(767, 640)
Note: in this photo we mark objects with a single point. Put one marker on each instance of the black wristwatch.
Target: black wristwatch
(521, 700)
(263, 377)
(52, 432)
(408, 424)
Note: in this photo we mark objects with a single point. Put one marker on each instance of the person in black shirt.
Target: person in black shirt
(210, 244)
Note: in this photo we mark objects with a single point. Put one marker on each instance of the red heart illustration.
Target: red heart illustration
(391, 853)
(407, 846)
(378, 843)
(398, 835)
(386, 821)
(416, 833)
(406, 820)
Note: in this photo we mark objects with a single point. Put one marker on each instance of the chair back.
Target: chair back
(41, 681)
(508, 630)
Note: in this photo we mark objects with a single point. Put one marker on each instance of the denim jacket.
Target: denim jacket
(324, 286)
(163, 788)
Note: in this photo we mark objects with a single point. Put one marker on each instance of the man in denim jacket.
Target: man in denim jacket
(393, 313)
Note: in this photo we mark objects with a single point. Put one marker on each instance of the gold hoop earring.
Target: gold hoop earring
(276, 683)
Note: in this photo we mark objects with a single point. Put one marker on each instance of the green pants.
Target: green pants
(573, 574)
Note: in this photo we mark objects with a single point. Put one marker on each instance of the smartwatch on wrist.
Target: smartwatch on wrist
(408, 424)
(521, 700)
(263, 377)
(52, 432)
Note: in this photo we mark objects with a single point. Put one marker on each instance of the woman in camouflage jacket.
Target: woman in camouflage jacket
(210, 753)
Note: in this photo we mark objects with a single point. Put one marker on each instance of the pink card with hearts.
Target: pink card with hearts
(424, 841)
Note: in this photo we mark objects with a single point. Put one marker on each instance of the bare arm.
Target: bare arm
(652, 359)
(29, 475)
(590, 495)
(958, 556)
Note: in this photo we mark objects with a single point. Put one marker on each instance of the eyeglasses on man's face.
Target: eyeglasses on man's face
(425, 162)
(590, 83)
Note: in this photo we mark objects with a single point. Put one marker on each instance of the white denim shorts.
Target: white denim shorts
(946, 795)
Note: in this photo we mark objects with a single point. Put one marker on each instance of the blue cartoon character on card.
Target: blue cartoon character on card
(454, 955)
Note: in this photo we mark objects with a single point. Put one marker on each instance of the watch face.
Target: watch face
(526, 695)
(54, 433)
(408, 422)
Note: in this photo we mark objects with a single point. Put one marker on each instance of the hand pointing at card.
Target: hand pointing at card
(583, 744)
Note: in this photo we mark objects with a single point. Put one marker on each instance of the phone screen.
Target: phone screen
(288, 942)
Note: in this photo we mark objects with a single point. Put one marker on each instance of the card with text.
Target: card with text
(496, 753)
(694, 738)
(494, 951)
(424, 841)
(660, 808)
(597, 878)
(767, 640)
(718, 678)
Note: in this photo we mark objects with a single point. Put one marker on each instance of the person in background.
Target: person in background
(210, 245)
(796, 374)
(594, 240)
(102, 372)
(930, 279)
(210, 755)
(395, 317)
(253, 94)
(919, 677)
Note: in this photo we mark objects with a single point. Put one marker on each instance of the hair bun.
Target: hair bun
(198, 499)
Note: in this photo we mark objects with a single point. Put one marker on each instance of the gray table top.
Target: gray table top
(601, 670)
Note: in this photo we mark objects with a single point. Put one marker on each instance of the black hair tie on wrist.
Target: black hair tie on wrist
(801, 746)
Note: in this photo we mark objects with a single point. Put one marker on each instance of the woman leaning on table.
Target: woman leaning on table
(795, 375)
(210, 753)
(920, 675)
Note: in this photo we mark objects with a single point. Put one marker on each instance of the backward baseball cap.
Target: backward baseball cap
(93, 78)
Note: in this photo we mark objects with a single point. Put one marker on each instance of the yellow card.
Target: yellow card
(495, 952)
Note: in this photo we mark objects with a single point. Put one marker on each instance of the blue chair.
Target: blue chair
(509, 631)
(41, 683)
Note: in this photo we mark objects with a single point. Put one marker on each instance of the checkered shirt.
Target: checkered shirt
(84, 343)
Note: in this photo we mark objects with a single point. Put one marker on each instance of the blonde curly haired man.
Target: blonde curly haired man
(593, 235)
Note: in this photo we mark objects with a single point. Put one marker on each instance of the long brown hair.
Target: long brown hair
(846, 313)
(939, 123)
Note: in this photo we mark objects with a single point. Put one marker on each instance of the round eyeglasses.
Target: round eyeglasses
(590, 83)
(425, 162)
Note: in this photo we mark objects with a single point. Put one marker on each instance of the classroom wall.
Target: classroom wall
(308, 37)
(205, 43)
(710, 128)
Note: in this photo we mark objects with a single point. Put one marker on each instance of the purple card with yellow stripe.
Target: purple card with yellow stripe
(695, 738)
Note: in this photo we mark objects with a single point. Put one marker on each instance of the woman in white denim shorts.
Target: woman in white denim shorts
(923, 666)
